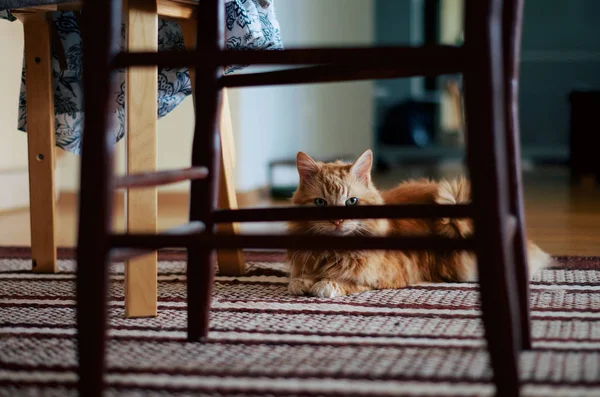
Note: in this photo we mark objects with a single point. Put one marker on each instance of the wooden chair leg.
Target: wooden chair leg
(206, 151)
(487, 165)
(513, 14)
(95, 197)
(142, 206)
(231, 263)
(40, 142)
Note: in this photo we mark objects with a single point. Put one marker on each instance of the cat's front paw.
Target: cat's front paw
(326, 289)
(300, 286)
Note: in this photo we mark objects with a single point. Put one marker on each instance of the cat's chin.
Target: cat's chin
(340, 232)
(347, 230)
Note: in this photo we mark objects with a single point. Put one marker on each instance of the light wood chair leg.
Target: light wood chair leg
(231, 262)
(40, 142)
(142, 205)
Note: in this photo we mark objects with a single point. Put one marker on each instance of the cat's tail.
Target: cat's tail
(459, 192)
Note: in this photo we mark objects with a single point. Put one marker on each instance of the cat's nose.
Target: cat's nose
(337, 222)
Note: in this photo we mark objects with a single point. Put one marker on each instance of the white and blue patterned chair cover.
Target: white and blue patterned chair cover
(250, 24)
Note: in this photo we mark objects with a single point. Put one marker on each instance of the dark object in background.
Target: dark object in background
(409, 123)
(278, 190)
(431, 33)
(583, 158)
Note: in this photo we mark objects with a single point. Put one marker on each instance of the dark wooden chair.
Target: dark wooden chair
(489, 62)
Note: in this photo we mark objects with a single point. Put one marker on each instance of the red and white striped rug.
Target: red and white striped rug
(422, 340)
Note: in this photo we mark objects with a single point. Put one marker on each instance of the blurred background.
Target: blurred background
(413, 125)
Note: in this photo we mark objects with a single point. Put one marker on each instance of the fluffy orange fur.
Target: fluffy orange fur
(330, 274)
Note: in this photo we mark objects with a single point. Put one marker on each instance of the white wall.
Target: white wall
(270, 122)
(322, 120)
(13, 143)
(14, 177)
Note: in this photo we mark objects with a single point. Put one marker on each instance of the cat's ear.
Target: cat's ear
(361, 168)
(307, 167)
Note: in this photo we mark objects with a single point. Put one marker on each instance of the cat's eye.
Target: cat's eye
(352, 201)
(319, 202)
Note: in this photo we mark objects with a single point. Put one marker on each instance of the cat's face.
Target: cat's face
(337, 184)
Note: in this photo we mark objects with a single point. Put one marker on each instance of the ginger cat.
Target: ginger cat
(331, 274)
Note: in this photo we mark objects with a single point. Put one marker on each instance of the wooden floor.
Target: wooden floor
(563, 220)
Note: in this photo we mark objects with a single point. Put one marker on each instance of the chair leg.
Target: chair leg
(231, 262)
(40, 142)
(512, 17)
(200, 276)
(95, 196)
(91, 283)
(206, 150)
(142, 205)
(519, 243)
(487, 166)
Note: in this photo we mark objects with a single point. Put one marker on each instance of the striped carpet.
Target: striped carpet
(423, 340)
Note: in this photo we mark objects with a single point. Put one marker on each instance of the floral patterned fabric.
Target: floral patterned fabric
(250, 24)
